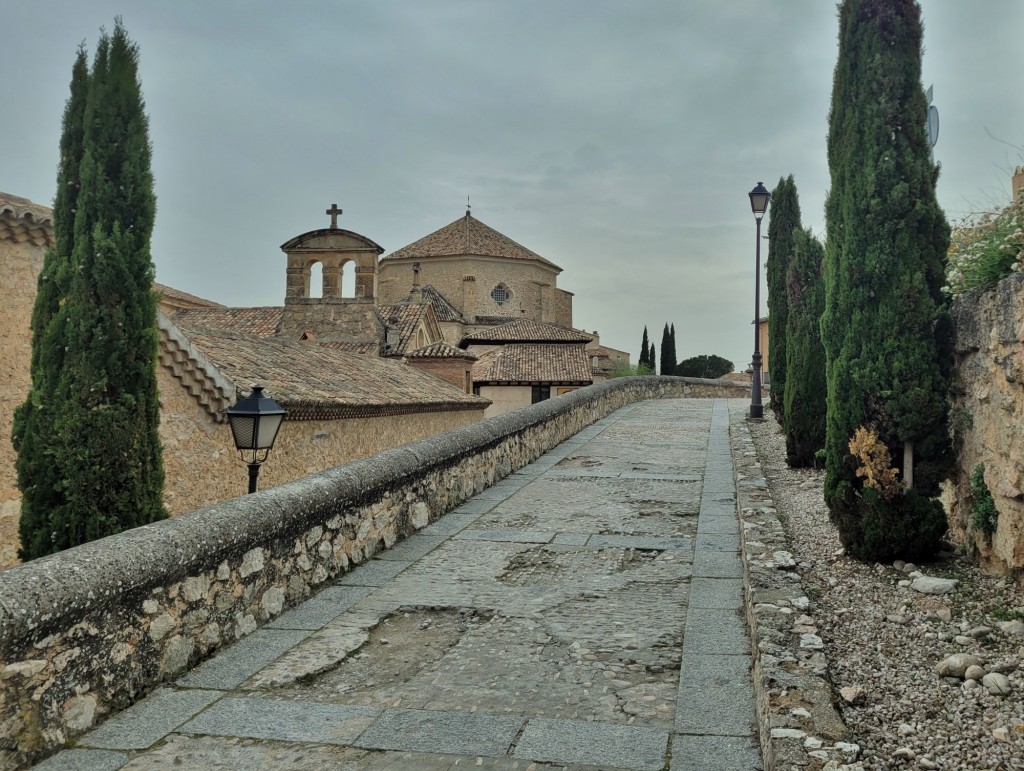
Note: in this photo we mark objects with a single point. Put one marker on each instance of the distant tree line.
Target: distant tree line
(704, 366)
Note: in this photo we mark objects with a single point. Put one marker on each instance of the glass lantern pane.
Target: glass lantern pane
(269, 425)
(242, 427)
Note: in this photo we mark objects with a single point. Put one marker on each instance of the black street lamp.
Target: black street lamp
(255, 421)
(759, 198)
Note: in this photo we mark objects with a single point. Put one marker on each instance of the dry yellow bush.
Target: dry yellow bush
(876, 463)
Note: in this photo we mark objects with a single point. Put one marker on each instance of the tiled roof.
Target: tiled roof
(495, 320)
(443, 310)
(313, 381)
(406, 318)
(22, 220)
(527, 331)
(363, 348)
(440, 351)
(183, 299)
(261, 322)
(467, 236)
(529, 363)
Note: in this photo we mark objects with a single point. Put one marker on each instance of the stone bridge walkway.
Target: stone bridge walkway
(582, 613)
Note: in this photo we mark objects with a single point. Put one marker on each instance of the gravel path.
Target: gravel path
(887, 639)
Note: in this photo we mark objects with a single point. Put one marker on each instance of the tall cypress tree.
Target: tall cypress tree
(664, 351)
(885, 328)
(784, 220)
(672, 359)
(804, 395)
(35, 430)
(105, 404)
(645, 359)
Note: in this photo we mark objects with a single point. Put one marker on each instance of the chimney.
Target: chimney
(1018, 182)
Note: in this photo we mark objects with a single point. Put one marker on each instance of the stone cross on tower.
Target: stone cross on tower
(334, 211)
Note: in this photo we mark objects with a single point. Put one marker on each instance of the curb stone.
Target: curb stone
(799, 726)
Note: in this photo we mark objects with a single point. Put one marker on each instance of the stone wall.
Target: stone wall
(203, 468)
(988, 419)
(21, 265)
(523, 278)
(91, 630)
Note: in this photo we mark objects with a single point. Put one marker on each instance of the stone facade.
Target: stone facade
(468, 283)
(93, 629)
(202, 466)
(25, 232)
(988, 418)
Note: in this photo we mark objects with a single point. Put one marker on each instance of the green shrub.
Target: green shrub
(986, 251)
(984, 515)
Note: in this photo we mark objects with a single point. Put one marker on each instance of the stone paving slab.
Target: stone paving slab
(320, 610)
(506, 535)
(720, 593)
(475, 506)
(716, 696)
(436, 731)
(84, 760)
(639, 542)
(412, 548)
(374, 573)
(235, 664)
(148, 721)
(450, 524)
(717, 564)
(714, 630)
(594, 744)
(728, 542)
(283, 720)
(199, 753)
(717, 753)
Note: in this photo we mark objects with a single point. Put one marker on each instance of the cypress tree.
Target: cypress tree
(783, 221)
(105, 402)
(34, 432)
(672, 361)
(652, 359)
(644, 355)
(804, 395)
(885, 328)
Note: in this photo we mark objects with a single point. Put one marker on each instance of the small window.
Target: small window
(541, 393)
(501, 294)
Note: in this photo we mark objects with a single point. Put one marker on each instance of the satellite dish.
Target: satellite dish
(932, 124)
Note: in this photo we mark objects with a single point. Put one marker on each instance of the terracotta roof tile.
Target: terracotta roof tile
(467, 236)
(406, 318)
(261, 322)
(518, 363)
(367, 349)
(443, 310)
(300, 375)
(528, 331)
(176, 297)
(440, 351)
(22, 220)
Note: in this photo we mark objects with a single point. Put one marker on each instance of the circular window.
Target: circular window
(501, 294)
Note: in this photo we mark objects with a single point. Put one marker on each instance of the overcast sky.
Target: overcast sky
(617, 138)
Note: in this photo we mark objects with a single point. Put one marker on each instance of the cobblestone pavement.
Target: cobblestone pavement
(584, 613)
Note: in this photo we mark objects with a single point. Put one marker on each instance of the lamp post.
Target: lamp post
(255, 421)
(759, 198)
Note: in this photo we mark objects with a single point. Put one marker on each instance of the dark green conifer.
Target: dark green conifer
(644, 354)
(34, 432)
(672, 360)
(804, 396)
(664, 351)
(784, 219)
(104, 404)
(885, 329)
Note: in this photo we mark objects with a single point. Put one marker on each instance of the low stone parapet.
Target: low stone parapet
(93, 629)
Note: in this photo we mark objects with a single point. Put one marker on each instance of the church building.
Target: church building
(460, 325)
